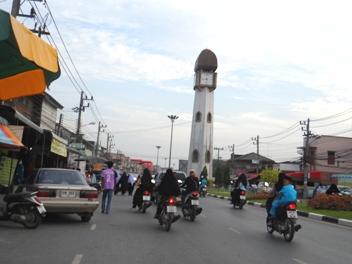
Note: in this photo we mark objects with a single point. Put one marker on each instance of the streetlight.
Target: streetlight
(172, 118)
(157, 156)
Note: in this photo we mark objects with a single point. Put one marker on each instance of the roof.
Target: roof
(254, 156)
(52, 101)
(206, 61)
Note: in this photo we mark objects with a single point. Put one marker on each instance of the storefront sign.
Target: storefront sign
(58, 146)
(7, 169)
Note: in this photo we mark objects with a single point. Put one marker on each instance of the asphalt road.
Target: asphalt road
(220, 235)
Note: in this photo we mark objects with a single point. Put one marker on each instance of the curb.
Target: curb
(319, 217)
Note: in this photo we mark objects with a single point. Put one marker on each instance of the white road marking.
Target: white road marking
(234, 230)
(93, 227)
(77, 259)
(201, 215)
(299, 261)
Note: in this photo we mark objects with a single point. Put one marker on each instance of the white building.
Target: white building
(201, 145)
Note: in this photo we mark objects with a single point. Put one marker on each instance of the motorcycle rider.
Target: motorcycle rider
(240, 185)
(287, 194)
(167, 187)
(191, 184)
(203, 182)
(143, 184)
(275, 191)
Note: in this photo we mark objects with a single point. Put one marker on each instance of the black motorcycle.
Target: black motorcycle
(146, 202)
(24, 208)
(190, 208)
(168, 213)
(203, 190)
(285, 222)
(238, 198)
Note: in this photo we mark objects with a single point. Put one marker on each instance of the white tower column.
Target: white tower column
(201, 145)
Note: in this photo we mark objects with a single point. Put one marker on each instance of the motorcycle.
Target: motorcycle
(203, 190)
(238, 199)
(24, 208)
(168, 213)
(285, 222)
(146, 202)
(191, 206)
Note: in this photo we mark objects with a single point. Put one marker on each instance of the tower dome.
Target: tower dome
(206, 61)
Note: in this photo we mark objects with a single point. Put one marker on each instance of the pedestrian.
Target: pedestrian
(333, 190)
(123, 183)
(108, 177)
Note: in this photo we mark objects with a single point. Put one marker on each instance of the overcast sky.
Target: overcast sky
(279, 62)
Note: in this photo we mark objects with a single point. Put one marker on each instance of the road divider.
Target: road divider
(323, 218)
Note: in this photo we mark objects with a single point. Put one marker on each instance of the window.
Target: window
(198, 117)
(207, 156)
(209, 118)
(195, 156)
(331, 157)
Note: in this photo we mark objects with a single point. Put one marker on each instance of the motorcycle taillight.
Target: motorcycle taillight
(242, 193)
(195, 194)
(172, 201)
(146, 193)
(292, 206)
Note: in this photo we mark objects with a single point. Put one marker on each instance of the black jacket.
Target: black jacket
(168, 186)
(191, 184)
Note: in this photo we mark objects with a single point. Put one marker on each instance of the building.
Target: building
(330, 154)
(49, 112)
(201, 144)
(250, 162)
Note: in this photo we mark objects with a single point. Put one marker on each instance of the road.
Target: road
(221, 235)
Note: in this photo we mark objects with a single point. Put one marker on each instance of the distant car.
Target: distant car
(180, 176)
(66, 191)
(346, 190)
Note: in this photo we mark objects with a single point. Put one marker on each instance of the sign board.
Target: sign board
(7, 169)
(58, 147)
(78, 146)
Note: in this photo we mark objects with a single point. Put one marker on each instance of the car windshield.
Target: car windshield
(65, 177)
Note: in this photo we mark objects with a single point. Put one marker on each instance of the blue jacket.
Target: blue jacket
(288, 194)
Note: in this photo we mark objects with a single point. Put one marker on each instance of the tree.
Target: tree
(218, 176)
(204, 172)
(226, 176)
(269, 175)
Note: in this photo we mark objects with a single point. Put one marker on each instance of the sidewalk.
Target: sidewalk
(319, 217)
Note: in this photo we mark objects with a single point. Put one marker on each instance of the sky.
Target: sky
(280, 62)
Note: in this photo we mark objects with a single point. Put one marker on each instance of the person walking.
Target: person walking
(108, 178)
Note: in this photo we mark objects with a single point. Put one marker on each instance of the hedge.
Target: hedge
(334, 202)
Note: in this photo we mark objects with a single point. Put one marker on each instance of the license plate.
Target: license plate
(194, 202)
(292, 214)
(146, 198)
(171, 209)
(68, 194)
(243, 197)
(41, 209)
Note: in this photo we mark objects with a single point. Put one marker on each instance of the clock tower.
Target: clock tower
(201, 145)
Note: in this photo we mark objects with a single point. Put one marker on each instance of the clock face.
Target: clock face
(206, 78)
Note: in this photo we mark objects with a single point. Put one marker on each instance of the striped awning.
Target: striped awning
(8, 140)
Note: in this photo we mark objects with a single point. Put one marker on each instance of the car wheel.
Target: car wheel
(86, 217)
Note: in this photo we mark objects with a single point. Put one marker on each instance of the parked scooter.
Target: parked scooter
(23, 208)
(285, 222)
(190, 208)
(168, 213)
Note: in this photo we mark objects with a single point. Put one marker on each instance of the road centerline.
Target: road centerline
(299, 261)
(77, 259)
(234, 230)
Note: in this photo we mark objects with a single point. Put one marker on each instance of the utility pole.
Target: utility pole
(81, 108)
(172, 118)
(218, 150)
(157, 156)
(306, 156)
(100, 129)
(256, 142)
(232, 150)
(16, 4)
(59, 125)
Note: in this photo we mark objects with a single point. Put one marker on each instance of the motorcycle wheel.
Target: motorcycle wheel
(290, 231)
(167, 224)
(33, 218)
(192, 217)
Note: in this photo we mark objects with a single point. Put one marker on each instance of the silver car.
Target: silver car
(66, 191)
